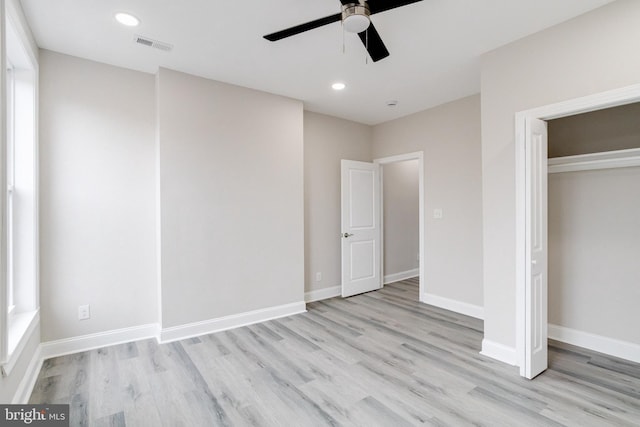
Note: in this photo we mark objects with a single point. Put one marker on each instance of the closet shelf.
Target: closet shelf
(594, 161)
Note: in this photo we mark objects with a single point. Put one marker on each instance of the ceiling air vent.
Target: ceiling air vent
(146, 41)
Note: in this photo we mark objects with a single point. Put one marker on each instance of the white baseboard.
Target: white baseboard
(622, 349)
(499, 352)
(229, 322)
(325, 293)
(454, 305)
(102, 339)
(403, 275)
(25, 388)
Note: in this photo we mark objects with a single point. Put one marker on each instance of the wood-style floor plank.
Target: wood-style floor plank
(377, 359)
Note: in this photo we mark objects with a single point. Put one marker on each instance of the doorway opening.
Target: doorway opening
(531, 220)
(594, 224)
(402, 200)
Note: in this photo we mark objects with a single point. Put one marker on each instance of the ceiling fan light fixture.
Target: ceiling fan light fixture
(355, 17)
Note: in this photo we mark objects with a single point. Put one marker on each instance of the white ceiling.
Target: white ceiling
(435, 45)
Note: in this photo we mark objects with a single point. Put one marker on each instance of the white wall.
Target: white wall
(401, 216)
(231, 193)
(594, 243)
(327, 140)
(97, 205)
(231, 185)
(449, 136)
(589, 54)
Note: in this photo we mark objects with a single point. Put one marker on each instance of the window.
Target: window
(10, 168)
(19, 287)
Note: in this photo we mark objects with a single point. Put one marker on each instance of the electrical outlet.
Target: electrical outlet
(318, 276)
(84, 312)
(437, 213)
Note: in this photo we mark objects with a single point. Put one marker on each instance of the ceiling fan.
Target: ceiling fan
(355, 17)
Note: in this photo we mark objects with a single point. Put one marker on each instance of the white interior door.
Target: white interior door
(361, 270)
(536, 248)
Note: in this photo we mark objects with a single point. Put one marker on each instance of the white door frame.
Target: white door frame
(612, 98)
(419, 156)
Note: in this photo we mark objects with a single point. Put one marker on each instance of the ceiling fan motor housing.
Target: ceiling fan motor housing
(355, 17)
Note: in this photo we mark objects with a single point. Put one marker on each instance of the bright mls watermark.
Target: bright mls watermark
(34, 415)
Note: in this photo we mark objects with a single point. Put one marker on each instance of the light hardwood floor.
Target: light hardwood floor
(378, 359)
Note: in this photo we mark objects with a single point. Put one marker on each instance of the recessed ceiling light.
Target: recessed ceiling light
(338, 86)
(392, 103)
(127, 19)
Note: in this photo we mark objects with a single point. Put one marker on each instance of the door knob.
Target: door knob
(346, 235)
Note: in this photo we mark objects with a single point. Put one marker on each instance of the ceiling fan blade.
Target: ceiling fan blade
(377, 6)
(372, 41)
(303, 27)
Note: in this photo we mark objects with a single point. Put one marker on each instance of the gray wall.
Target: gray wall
(231, 198)
(610, 129)
(327, 140)
(589, 54)
(97, 204)
(449, 136)
(401, 216)
(594, 242)
(231, 190)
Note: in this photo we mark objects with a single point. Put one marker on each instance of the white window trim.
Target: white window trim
(18, 324)
(21, 327)
(10, 162)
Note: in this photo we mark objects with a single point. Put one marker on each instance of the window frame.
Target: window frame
(10, 181)
(19, 237)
